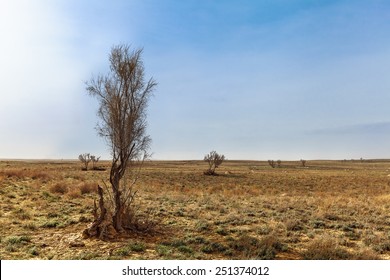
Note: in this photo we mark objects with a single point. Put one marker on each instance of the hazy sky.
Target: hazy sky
(267, 79)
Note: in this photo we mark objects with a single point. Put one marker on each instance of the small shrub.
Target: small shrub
(163, 250)
(137, 247)
(174, 243)
(294, 225)
(366, 254)
(51, 224)
(21, 214)
(214, 247)
(59, 188)
(325, 248)
(17, 239)
(33, 251)
(252, 248)
(263, 230)
(222, 231)
(197, 240)
(14, 173)
(319, 224)
(39, 175)
(185, 249)
(379, 243)
(87, 187)
(131, 247)
(74, 193)
(30, 226)
(202, 226)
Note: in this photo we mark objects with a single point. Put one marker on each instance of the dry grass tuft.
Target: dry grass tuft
(13, 173)
(74, 193)
(325, 248)
(39, 175)
(59, 188)
(25, 173)
(250, 247)
(87, 187)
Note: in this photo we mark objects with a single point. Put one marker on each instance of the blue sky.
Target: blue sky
(251, 79)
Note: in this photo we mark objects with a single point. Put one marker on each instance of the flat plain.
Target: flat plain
(326, 210)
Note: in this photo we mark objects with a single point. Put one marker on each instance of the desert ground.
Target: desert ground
(325, 210)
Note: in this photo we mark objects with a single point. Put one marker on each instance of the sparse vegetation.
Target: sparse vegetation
(332, 210)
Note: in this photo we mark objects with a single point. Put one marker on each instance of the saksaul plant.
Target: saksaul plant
(214, 160)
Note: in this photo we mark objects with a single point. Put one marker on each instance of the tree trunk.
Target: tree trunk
(118, 207)
(118, 212)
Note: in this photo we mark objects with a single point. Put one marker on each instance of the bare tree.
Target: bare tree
(303, 162)
(86, 159)
(94, 160)
(271, 163)
(214, 160)
(123, 96)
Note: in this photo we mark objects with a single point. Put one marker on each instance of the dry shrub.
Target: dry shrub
(265, 248)
(74, 193)
(325, 248)
(87, 187)
(379, 242)
(366, 254)
(145, 222)
(13, 173)
(294, 224)
(25, 173)
(39, 175)
(60, 188)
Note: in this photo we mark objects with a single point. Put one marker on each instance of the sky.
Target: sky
(258, 80)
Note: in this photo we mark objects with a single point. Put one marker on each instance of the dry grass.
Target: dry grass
(59, 188)
(327, 210)
(87, 187)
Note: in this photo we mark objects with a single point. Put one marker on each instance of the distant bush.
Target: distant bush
(271, 163)
(85, 159)
(214, 160)
(303, 162)
(94, 160)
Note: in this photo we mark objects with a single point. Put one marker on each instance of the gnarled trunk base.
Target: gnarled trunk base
(101, 227)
